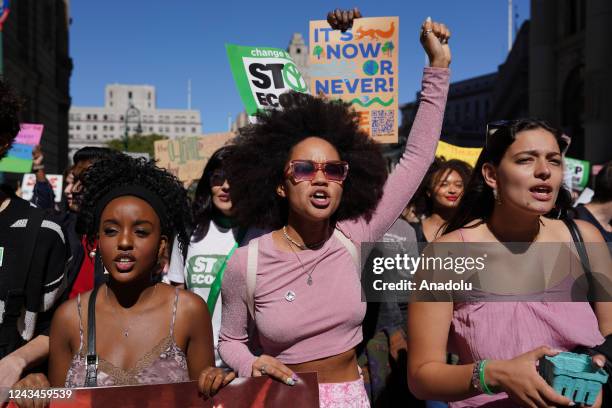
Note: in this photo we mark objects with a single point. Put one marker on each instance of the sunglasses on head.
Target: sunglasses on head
(493, 127)
(306, 170)
(218, 178)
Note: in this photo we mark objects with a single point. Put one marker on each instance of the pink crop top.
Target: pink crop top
(297, 322)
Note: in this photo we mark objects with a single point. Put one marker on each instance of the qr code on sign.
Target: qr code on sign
(383, 122)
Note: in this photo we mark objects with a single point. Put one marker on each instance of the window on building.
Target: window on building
(149, 96)
(111, 104)
(78, 127)
(130, 95)
(105, 117)
(104, 127)
(88, 116)
(150, 128)
(95, 137)
(70, 127)
(95, 117)
(121, 118)
(193, 130)
(95, 127)
(88, 137)
(111, 127)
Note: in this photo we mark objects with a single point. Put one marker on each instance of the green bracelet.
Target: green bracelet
(483, 383)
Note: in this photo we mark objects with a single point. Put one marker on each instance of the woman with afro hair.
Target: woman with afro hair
(145, 332)
(312, 176)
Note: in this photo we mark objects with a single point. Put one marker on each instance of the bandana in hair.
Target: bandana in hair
(132, 190)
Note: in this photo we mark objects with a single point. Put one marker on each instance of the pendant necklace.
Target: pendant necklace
(303, 247)
(126, 330)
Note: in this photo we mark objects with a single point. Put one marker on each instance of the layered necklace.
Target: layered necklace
(126, 329)
(303, 247)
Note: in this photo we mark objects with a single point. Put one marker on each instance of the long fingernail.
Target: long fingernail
(290, 381)
(599, 363)
(572, 403)
(295, 377)
(428, 19)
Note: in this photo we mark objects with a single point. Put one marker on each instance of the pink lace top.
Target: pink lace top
(297, 322)
(165, 363)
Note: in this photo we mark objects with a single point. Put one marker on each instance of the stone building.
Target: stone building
(95, 126)
(569, 72)
(37, 64)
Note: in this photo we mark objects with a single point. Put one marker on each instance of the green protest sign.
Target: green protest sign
(578, 171)
(263, 75)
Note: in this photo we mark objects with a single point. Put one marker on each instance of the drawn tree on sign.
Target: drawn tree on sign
(388, 48)
(317, 51)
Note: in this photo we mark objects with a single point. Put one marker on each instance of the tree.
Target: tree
(137, 143)
(388, 48)
(318, 50)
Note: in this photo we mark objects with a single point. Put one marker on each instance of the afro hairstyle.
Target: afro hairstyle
(256, 166)
(10, 106)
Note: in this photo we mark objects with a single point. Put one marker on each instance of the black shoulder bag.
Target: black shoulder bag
(91, 378)
(606, 347)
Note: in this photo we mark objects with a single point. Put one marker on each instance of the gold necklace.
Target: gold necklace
(290, 241)
(126, 330)
(303, 247)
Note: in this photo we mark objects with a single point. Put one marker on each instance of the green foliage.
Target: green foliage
(137, 143)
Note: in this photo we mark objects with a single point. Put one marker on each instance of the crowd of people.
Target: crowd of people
(133, 282)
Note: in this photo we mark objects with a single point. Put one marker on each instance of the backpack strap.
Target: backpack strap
(349, 245)
(251, 274)
(91, 376)
(582, 253)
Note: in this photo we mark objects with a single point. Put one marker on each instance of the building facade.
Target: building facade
(37, 64)
(569, 71)
(96, 126)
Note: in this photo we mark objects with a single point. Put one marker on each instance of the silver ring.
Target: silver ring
(444, 41)
(262, 369)
(427, 32)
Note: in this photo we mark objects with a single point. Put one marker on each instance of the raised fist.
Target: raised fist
(434, 39)
(342, 19)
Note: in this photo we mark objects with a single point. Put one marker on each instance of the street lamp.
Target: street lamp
(132, 112)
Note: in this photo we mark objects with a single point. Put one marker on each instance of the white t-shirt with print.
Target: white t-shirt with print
(204, 260)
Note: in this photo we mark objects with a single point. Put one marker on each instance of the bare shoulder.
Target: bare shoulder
(191, 303)
(589, 232)
(453, 236)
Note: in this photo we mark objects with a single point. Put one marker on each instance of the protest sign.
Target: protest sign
(186, 157)
(576, 173)
(466, 154)
(262, 75)
(19, 157)
(359, 66)
(29, 180)
(257, 392)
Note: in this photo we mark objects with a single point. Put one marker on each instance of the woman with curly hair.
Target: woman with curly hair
(130, 208)
(313, 176)
(514, 195)
(439, 195)
(214, 240)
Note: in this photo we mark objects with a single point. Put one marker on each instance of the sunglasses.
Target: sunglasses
(493, 127)
(218, 178)
(306, 170)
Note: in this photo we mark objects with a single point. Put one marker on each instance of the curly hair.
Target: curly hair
(478, 200)
(441, 167)
(10, 106)
(256, 167)
(203, 207)
(108, 173)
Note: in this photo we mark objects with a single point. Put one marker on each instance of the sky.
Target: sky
(166, 43)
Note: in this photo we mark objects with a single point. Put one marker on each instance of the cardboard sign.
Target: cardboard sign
(466, 154)
(576, 173)
(260, 392)
(19, 158)
(29, 180)
(186, 157)
(360, 67)
(263, 75)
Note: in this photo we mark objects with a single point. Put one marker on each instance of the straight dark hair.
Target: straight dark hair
(478, 200)
(203, 208)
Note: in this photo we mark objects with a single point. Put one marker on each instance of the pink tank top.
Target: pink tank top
(165, 363)
(504, 330)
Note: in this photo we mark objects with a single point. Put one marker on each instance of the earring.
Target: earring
(496, 197)
(92, 253)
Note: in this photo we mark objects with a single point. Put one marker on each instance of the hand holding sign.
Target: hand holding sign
(342, 19)
(434, 38)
